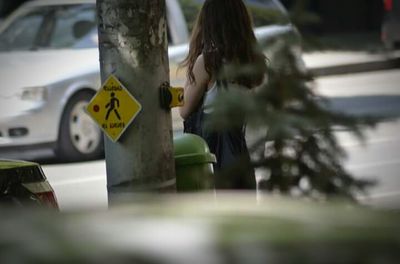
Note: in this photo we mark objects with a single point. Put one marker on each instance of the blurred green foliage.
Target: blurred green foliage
(301, 16)
(263, 16)
(296, 142)
(229, 228)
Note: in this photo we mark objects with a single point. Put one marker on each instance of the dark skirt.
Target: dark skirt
(233, 169)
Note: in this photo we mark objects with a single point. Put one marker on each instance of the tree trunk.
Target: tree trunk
(133, 46)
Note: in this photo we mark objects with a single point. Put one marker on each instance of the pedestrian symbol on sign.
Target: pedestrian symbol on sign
(113, 108)
(113, 104)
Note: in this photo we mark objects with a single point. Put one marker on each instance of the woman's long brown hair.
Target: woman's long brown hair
(223, 34)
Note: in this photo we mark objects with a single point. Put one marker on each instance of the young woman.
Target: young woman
(222, 37)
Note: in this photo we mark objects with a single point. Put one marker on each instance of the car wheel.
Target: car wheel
(79, 137)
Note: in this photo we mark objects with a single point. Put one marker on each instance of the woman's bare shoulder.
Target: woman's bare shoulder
(199, 70)
(199, 61)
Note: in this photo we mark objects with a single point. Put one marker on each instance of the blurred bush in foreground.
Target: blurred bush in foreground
(203, 229)
(295, 130)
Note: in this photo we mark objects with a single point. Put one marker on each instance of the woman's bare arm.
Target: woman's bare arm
(194, 91)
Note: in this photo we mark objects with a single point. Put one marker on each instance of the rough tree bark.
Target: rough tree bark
(133, 46)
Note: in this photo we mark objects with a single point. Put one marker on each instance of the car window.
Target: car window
(89, 41)
(72, 24)
(51, 27)
(22, 33)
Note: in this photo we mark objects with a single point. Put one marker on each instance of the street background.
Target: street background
(351, 68)
(342, 47)
(364, 91)
(356, 75)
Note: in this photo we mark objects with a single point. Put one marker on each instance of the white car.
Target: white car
(49, 71)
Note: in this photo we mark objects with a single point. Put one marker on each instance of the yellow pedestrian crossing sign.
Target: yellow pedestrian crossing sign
(113, 108)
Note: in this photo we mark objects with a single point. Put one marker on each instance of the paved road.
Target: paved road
(79, 185)
(373, 92)
(378, 160)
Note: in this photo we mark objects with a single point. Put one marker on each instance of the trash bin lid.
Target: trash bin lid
(192, 149)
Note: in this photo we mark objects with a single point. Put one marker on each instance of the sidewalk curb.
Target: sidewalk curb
(356, 67)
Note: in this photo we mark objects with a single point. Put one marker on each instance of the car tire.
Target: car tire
(79, 137)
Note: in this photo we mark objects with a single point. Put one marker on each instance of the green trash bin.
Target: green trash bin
(193, 163)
